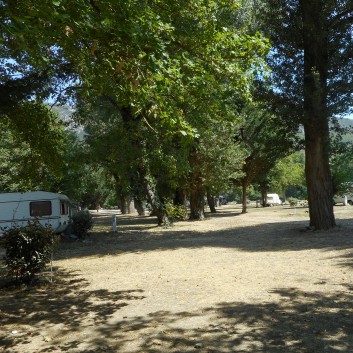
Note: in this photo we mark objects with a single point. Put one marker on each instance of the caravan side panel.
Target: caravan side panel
(13, 213)
(51, 209)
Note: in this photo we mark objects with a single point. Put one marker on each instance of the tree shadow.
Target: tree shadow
(346, 260)
(292, 322)
(300, 322)
(297, 322)
(66, 302)
(126, 220)
(280, 236)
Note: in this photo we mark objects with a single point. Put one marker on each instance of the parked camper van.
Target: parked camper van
(273, 200)
(345, 195)
(346, 199)
(51, 209)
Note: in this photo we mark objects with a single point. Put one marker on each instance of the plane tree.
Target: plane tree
(215, 159)
(171, 67)
(145, 55)
(266, 139)
(288, 174)
(144, 162)
(32, 154)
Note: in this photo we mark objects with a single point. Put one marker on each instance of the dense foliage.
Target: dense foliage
(33, 149)
(311, 57)
(28, 250)
(81, 223)
(161, 93)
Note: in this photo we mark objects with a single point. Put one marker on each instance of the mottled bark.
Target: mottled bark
(152, 196)
(197, 211)
(156, 203)
(263, 200)
(123, 204)
(129, 205)
(211, 202)
(138, 204)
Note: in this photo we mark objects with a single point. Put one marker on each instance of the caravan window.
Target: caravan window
(64, 207)
(40, 208)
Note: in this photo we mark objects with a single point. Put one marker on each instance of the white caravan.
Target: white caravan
(273, 199)
(346, 199)
(51, 209)
(345, 196)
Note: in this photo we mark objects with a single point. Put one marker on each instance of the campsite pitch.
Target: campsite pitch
(259, 282)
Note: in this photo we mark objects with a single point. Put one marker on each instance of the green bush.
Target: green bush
(297, 203)
(303, 203)
(292, 201)
(175, 212)
(28, 250)
(81, 223)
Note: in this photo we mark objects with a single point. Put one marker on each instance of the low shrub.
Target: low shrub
(297, 203)
(176, 212)
(28, 250)
(303, 203)
(293, 201)
(81, 223)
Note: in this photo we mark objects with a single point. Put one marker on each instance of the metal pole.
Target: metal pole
(114, 222)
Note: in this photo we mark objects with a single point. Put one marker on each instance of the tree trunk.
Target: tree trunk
(156, 203)
(179, 197)
(197, 211)
(197, 204)
(152, 196)
(316, 120)
(123, 204)
(244, 194)
(138, 204)
(120, 195)
(129, 208)
(263, 198)
(263, 190)
(211, 203)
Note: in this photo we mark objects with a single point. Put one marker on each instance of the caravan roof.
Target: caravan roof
(30, 196)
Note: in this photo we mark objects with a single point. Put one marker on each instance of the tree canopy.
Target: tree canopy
(310, 58)
(142, 54)
(161, 89)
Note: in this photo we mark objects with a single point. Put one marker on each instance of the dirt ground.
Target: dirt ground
(259, 282)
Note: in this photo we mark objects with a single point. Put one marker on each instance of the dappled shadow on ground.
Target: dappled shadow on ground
(26, 314)
(279, 236)
(299, 322)
(346, 260)
(294, 322)
(223, 213)
(70, 316)
(130, 222)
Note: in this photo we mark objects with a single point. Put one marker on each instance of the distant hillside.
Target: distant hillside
(65, 113)
(347, 124)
